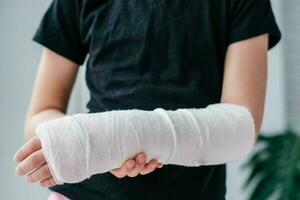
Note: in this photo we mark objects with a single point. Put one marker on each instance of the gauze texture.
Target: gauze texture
(81, 145)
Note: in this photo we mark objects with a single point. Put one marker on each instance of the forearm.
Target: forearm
(32, 121)
(52, 88)
(189, 137)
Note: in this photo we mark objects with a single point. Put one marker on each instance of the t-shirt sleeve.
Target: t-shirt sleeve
(59, 30)
(250, 18)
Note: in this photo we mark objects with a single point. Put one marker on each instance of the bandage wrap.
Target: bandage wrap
(81, 145)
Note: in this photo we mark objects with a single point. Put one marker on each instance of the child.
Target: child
(146, 54)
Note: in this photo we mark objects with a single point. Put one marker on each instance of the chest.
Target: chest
(105, 24)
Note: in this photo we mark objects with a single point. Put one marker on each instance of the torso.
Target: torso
(147, 54)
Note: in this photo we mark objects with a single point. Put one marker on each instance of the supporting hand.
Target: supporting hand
(137, 165)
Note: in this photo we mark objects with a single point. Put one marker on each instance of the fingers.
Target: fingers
(39, 174)
(139, 165)
(33, 161)
(124, 169)
(160, 165)
(149, 167)
(49, 182)
(28, 148)
(132, 167)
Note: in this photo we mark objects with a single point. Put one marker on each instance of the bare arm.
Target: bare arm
(246, 74)
(54, 81)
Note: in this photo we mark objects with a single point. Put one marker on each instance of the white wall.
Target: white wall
(292, 60)
(18, 63)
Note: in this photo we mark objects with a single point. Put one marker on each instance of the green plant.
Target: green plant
(275, 168)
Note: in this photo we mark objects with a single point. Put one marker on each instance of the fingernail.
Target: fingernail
(141, 159)
(17, 171)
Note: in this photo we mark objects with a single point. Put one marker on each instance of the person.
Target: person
(146, 54)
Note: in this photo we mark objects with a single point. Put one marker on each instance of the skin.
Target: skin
(244, 83)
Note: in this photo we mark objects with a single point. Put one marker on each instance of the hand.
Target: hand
(32, 163)
(132, 167)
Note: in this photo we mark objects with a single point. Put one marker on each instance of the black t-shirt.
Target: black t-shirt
(147, 54)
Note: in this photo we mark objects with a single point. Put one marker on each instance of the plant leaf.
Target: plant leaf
(275, 168)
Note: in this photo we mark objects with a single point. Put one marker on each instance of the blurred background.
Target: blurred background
(19, 58)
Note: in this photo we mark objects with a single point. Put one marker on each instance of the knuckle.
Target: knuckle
(34, 159)
(127, 171)
(31, 148)
(130, 165)
(46, 171)
(139, 165)
(31, 160)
